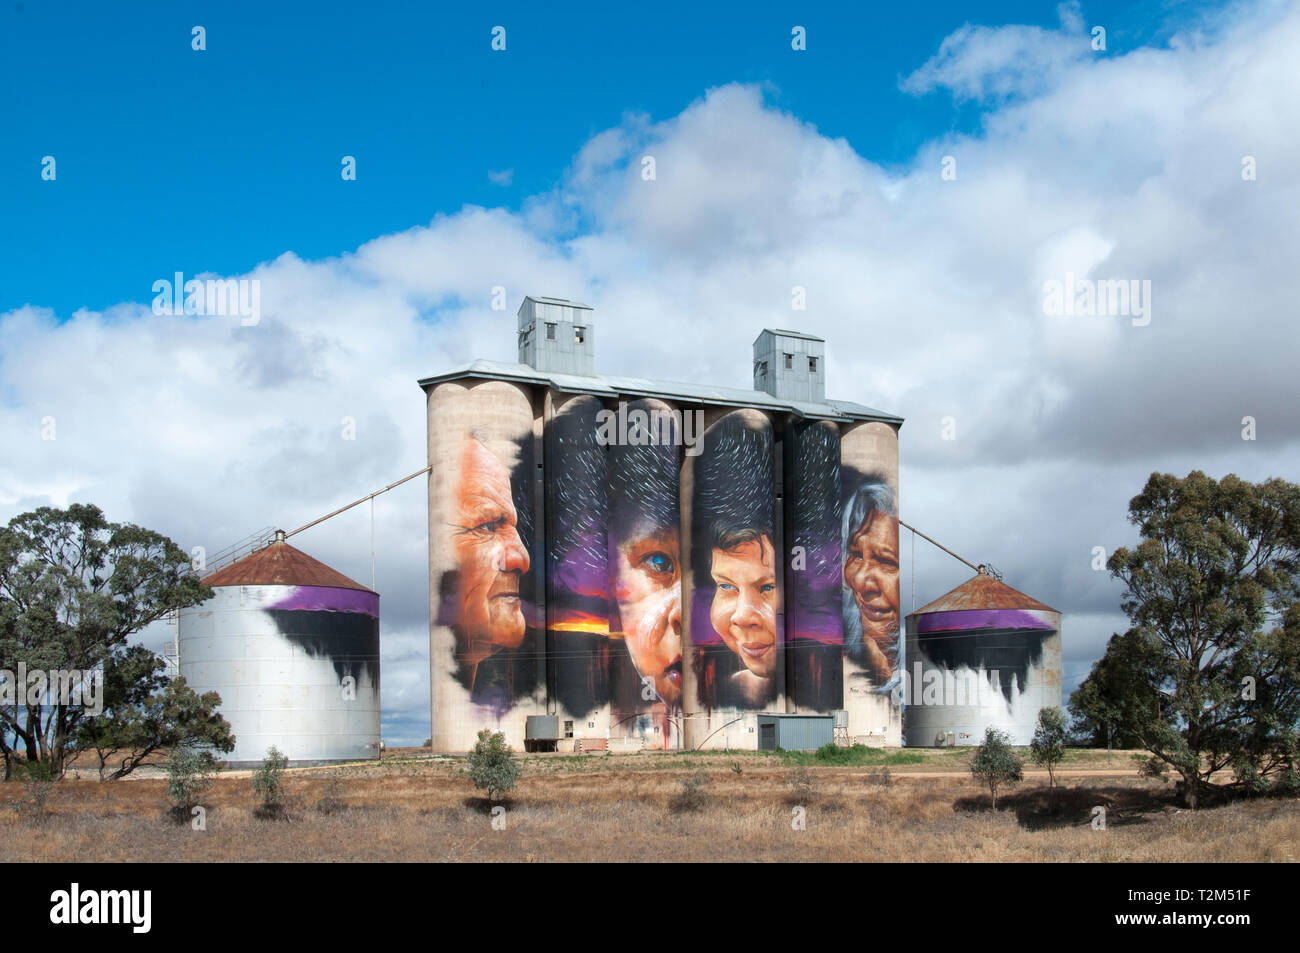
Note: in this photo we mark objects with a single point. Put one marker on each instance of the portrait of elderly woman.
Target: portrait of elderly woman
(871, 593)
(737, 653)
(484, 599)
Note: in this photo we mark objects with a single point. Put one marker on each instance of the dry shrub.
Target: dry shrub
(693, 797)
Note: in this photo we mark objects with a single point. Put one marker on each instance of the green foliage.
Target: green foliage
(1288, 782)
(834, 755)
(73, 588)
(268, 783)
(1048, 745)
(996, 763)
(694, 795)
(144, 712)
(190, 773)
(1208, 675)
(1151, 767)
(492, 765)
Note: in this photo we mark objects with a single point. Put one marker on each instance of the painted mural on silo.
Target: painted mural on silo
(645, 572)
(735, 629)
(814, 631)
(982, 656)
(870, 596)
(577, 575)
(485, 654)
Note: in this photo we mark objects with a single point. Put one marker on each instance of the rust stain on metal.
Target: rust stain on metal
(983, 592)
(281, 565)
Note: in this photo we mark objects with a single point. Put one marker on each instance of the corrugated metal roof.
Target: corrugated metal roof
(982, 592)
(541, 299)
(607, 385)
(280, 564)
(794, 334)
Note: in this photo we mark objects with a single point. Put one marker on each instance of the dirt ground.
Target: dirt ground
(413, 807)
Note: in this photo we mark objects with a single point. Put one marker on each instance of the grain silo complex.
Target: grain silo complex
(630, 563)
(981, 656)
(292, 647)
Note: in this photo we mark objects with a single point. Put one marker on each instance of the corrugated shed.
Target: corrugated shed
(982, 592)
(280, 564)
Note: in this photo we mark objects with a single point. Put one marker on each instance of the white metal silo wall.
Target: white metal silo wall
(928, 725)
(272, 691)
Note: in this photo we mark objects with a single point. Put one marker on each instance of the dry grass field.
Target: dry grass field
(412, 807)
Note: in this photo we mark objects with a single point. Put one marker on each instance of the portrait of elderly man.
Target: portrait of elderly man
(738, 656)
(484, 597)
(871, 581)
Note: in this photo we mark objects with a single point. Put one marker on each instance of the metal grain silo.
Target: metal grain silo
(980, 656)
(292, 647)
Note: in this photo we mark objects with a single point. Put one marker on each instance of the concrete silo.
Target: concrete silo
(292, 647)
(731, 582)
(980, 656)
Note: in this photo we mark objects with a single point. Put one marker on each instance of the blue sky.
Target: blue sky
(169, 159)
(818, 169)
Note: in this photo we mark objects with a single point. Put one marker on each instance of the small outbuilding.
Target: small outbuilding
(795, 732)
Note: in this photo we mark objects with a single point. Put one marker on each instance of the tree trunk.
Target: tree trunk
(1191, 789)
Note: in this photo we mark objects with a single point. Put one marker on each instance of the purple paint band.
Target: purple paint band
(322, 599)
(702, 631)
(964, 619)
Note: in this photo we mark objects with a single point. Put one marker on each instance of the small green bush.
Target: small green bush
(189, 774)
(996, 763)
(492, 765)
(268, 784)
(1048, 745)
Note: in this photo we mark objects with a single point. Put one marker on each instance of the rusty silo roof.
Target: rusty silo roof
(982, 592)
(280, 564)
